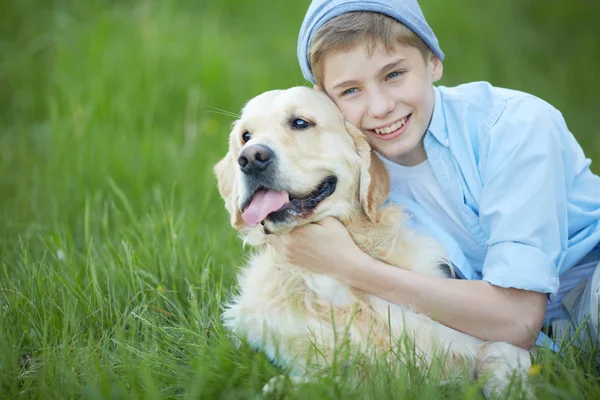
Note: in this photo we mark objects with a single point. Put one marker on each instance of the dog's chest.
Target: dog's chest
(330, 291)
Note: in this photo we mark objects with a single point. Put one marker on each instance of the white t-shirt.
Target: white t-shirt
(420, 184)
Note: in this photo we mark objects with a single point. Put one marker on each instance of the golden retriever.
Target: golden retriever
(293, 160)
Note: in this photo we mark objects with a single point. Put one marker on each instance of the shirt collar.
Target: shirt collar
(437, 126)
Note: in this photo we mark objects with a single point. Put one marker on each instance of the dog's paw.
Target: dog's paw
(503, 365)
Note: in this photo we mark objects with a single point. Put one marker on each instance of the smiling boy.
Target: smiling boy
(494, 174)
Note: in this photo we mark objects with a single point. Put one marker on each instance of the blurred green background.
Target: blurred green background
(131, 89)
(112, 114)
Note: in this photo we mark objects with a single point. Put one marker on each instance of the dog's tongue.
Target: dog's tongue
(263, 203)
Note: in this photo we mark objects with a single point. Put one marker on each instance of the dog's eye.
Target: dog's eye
(246, 136)
(300, 123)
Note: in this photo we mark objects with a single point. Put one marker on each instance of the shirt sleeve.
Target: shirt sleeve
(523, 203)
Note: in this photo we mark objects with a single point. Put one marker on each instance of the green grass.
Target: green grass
(115, 248)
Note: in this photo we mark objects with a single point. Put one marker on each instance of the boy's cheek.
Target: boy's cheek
(351, 114)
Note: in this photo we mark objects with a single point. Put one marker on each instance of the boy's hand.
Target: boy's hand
(324, 247)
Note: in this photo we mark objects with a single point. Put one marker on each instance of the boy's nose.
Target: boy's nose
(380, 104)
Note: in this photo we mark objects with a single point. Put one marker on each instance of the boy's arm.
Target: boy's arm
(477, 308)
(527, 162)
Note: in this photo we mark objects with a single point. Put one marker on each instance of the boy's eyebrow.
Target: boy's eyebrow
(388, 66)
(393, 64)
(345, 83)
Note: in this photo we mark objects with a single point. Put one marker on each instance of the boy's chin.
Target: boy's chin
(385, 149)
(400, 151)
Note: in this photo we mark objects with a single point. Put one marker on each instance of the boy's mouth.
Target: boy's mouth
(392, 131)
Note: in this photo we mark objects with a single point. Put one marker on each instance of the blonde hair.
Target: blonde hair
(349, 29)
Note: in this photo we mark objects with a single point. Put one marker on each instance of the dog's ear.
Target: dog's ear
(225, 173)
(374, 179)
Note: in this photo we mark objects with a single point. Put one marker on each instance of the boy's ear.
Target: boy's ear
(226, 180)
(317, 88)
(438, 67)
(374, 180)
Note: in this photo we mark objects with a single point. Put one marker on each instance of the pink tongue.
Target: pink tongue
(263, 203)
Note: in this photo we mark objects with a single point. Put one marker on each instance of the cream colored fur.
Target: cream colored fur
(289, 312)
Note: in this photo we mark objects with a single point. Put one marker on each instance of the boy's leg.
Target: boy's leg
(588, 305)
(582, 304)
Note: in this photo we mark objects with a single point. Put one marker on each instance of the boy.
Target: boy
(493, 174)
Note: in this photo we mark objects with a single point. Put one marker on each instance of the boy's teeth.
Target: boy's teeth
(391, 128)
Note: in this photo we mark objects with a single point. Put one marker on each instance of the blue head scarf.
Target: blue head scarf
(407, 12)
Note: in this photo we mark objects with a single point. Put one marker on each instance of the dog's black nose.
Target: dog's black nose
(255, 158)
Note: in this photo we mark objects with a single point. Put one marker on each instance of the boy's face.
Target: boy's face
(389, 96)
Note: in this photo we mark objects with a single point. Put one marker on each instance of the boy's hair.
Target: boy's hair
(349, 29)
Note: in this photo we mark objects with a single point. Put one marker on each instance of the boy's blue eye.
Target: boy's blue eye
(301, 124)
(394, 74)
(349, 91)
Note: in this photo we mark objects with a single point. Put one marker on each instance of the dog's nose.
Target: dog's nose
(255, 158)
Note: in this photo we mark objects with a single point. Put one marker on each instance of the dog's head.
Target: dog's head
(292, 160)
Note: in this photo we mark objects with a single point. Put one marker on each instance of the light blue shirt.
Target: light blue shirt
(520, 182)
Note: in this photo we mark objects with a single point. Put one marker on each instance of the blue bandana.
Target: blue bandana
(407, 12)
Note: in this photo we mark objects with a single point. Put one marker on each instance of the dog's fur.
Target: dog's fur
(286, 310)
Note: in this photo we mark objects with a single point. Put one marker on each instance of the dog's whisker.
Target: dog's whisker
(224, 113)
(215, 110)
